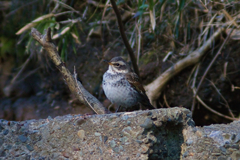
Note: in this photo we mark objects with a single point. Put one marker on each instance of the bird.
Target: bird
(122, 86)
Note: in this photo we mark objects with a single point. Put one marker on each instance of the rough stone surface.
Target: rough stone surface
(156, 134)
(220, 142)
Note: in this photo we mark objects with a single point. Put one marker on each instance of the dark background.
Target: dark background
(32, 88)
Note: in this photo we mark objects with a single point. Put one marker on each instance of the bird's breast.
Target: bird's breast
(118, 90)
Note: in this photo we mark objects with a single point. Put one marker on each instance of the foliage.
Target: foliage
(52, 14)
(179, 21)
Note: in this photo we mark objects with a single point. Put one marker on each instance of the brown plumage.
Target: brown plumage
(122, 86)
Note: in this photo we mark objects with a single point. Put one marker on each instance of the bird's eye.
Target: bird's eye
(117, 64)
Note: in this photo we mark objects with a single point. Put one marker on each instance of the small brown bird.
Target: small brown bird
(122, 86)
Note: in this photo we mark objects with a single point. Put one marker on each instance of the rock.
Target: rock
(235, 155)
(212, 142)
(148, 123)
(156, 134)
(22, 138)
(29, 147)
(81, 134)
(5, 132)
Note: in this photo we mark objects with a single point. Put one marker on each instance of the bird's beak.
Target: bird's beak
(107, 62)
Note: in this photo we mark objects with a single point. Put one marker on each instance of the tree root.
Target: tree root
(155, 88)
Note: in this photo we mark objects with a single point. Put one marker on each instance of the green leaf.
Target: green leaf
(144, 6)
(152, 18)
(181, 5)
(152, 14)
(64, 49)
(177, 27)
(151, 4)
(161, 1)
(74, 50)
(138, 14)
(120, 2)
(7, 46)
(28, 44)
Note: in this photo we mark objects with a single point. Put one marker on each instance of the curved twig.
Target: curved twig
(124, 37)
(75, 86)
(212, 110)
(155, 88)
(226, 103)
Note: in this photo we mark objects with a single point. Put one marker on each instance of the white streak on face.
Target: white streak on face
(121, 63)
(113, 70)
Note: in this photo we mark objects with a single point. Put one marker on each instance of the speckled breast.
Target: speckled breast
(119, 91)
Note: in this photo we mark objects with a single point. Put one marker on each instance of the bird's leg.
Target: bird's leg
(118, 108)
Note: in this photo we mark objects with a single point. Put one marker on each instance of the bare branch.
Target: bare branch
(155, 88)
(125, 40)
(75, 86)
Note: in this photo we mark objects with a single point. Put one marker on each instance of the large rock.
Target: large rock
(156, 134)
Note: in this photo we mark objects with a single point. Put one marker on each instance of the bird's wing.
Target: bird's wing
(133, 79)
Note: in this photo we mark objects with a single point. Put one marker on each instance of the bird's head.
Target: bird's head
(118, 65)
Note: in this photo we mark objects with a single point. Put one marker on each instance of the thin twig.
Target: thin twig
(160, 104)
(21, 70)
(227, 105)
(194, 68)
(225, 69)
(21, 7)
(165, 101)
(139, 29)
(132, 38)
(234, 87)
(66, 12)
(212, 110)
(125, 40)
(55, 7)
(210, 65)
(64, 5)
(193, 86)
(29, 74)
